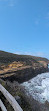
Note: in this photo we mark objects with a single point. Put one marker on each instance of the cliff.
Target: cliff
(21, 67)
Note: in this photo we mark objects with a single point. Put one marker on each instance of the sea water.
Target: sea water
(38, 87)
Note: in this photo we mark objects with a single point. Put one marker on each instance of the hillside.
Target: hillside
(21, 67)
(6, 57)
(16, 69)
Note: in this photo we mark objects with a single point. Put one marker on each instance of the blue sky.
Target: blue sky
(24, 26)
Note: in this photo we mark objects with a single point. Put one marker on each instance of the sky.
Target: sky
(24, 27)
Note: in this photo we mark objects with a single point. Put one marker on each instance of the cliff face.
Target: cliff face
(23, 74)
(21, 67)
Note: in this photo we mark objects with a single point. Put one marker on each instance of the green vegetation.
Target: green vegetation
(15, 90)
(18, 68)
(6, 57)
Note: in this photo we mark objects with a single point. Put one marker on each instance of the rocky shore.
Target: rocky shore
(17, 69)
(24, 74)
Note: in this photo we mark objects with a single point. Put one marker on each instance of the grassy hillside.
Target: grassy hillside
(6, 57)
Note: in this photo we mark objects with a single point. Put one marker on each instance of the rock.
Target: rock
(37, 90)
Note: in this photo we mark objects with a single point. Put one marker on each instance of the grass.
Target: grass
(6, 58)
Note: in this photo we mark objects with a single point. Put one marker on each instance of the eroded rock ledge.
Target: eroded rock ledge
(23, 74)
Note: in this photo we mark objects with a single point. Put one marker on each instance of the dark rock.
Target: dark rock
(25, 74)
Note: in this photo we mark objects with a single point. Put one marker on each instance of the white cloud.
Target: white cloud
(38, 54)
(30, 53)
(18, 53)
(41, 54)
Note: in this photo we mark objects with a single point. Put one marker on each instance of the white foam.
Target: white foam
(38, 87)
